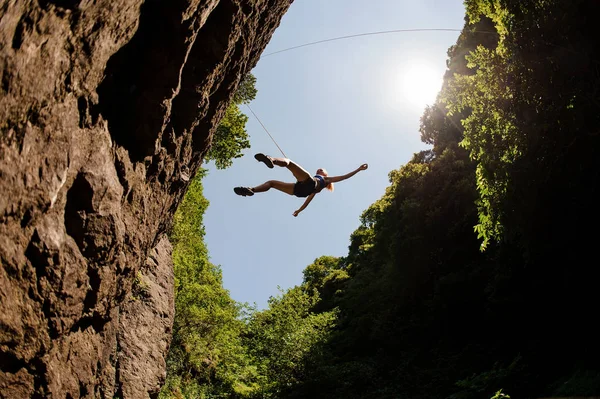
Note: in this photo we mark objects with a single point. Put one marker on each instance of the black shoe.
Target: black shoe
(243, 191)
(265, 159)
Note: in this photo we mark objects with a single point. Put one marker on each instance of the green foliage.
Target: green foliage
(527, 76)
(500, 395)
(327, 275)
(490, 133)
(140, 288)
(423, 312)
(230, 137)
(206, 356)
(224, 349)
(188, 228)
(487, 381)
(316, 273)
(582, 383)
(286, 338)
(246, 91)
(416, 309)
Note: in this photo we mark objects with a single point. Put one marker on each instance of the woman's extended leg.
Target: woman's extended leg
(299, 173)
(287, 188)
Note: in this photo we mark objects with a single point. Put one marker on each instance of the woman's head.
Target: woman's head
(323, 172)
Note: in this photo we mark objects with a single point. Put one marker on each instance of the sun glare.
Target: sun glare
(419, 84)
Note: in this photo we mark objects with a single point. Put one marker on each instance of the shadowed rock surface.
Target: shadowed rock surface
(145, 326)
(106, 110)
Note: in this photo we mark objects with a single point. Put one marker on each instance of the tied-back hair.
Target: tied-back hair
(330, 185)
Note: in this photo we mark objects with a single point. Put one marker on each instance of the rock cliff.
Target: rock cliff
(106, 110)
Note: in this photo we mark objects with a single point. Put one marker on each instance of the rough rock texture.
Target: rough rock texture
(106, 109)
(145, 326)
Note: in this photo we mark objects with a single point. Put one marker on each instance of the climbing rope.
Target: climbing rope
(366, 34)
(258, 119)
(348, 37)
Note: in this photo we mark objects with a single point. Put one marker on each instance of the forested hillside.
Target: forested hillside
(476, 271)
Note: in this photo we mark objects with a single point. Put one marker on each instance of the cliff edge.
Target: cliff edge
(106, 110)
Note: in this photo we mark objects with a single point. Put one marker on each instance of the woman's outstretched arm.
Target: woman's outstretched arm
(308, 199)
(335, 179)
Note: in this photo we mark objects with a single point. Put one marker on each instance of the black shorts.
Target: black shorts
(305, 188)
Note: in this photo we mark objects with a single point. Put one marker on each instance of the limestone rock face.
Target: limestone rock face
(145, 324)
(106, 110)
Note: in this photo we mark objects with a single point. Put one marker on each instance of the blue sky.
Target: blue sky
(333, 105)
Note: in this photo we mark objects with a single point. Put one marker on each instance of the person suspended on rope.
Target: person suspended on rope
(306, 186)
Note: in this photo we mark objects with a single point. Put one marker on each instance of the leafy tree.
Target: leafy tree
(327, 275)
(286, 338)
(424, 313)
(231, 137)
(416, 309)
(246, 91)
(206, 357)
(490, 132)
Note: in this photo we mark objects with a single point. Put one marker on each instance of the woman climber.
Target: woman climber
(306, 185)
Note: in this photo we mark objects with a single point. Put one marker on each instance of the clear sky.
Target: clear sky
(333, 105)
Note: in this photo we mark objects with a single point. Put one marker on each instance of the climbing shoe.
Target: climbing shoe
(264, 159)
(243, 191)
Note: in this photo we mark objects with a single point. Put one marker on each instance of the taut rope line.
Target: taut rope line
(348, 37)
(258, 119)
(368, 34)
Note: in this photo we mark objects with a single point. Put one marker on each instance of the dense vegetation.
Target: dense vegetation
(224, 349)
(221, 348)
(475, 271)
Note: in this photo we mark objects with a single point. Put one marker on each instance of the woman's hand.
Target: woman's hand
(364, 166)
(296, 213)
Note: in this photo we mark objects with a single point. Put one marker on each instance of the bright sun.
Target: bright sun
(419, 84)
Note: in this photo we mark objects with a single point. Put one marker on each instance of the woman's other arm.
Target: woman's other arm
(308, 199)
(335, 179)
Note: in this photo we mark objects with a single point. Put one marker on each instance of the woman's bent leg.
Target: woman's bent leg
(287, 188)
(299, 173)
